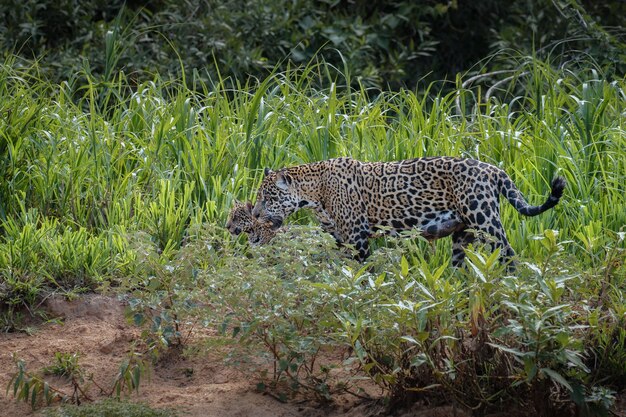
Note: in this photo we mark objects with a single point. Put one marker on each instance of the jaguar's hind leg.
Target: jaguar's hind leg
(489, 230)
(480, 210)
(460, 241)
(493, 227)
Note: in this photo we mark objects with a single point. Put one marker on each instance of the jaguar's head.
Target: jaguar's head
(276, 199)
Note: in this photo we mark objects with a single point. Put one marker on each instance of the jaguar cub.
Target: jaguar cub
(240, 220)
(441, 196)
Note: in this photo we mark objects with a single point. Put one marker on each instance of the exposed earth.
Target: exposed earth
(94, 326)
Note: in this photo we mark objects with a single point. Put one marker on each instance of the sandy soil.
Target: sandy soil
(94, 325)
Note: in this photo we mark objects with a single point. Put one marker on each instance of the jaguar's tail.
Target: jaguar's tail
(515, 197)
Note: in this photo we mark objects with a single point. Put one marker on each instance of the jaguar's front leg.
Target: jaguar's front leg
(328, 224)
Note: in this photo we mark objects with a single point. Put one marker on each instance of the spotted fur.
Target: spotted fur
(240, 220)
(441, 196)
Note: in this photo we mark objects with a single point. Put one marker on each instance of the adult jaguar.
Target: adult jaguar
(240, 220)
(354, 199)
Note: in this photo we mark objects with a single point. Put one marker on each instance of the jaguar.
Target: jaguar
(441, 196)
(240, 220)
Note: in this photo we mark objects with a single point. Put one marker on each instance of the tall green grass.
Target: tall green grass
(91, 154)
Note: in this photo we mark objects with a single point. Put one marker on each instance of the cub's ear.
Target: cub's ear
(283, 181)
(267, 172)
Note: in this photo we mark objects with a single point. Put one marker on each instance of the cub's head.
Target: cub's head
(276, 199)
(240, 220)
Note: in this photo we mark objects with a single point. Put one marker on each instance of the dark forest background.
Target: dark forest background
(381, 44)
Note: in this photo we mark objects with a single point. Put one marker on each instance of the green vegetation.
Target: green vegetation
(35, 389)
(384, 44)
(121, 180)
(109, 408)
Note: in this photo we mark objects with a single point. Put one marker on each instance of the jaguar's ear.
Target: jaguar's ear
(249, 207)
(283, 181)
(267, 172)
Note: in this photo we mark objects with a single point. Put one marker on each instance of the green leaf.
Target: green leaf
(33, 400)
(409, 339)
(136, 377)
(578, 394)
(418, 360)
(24, 393)
(477, 271)
(512, 351)
(138, 319)
(46, 392)
(404, 264)
(380, 279)
(574, 358)
(530, 368)
(423, 336)
(360, 351)
(558, 378)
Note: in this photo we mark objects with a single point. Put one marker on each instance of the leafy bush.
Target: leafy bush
(306, 321)
(482, 336)
(282, 322)
(38, 256)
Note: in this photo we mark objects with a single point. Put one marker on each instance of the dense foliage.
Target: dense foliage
(380, 43)
(122, 148)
